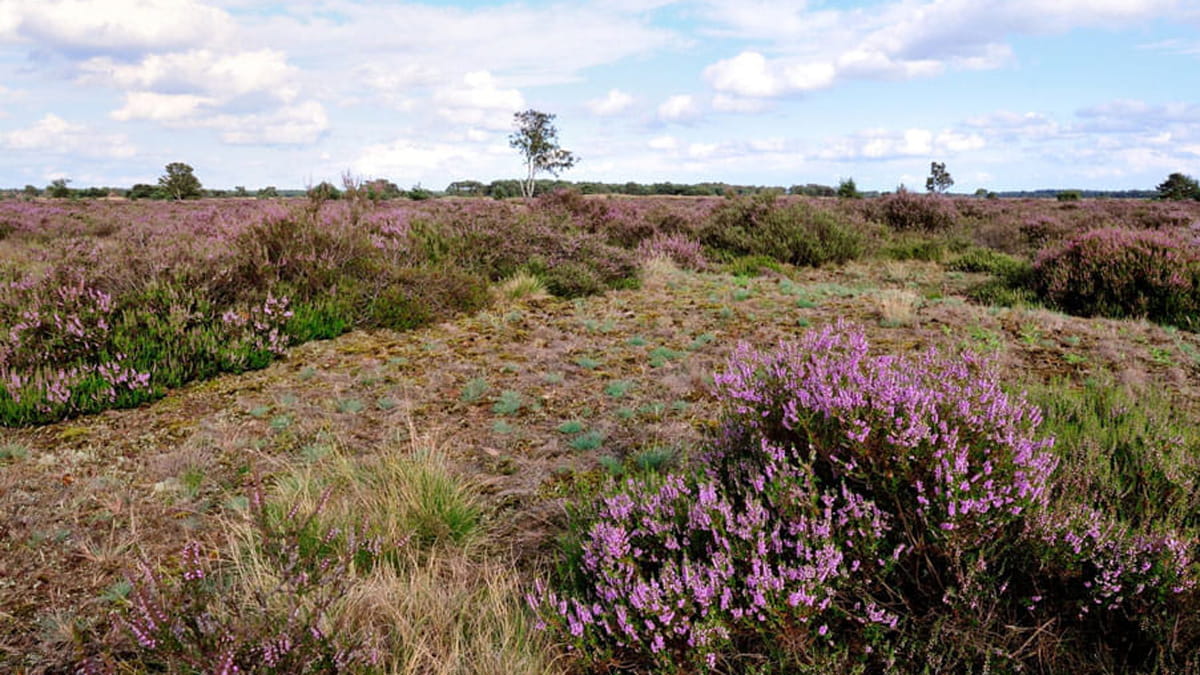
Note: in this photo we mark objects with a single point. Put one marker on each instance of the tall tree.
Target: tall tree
(1178, 186)
(179, 182)
(537, 139)
(939, 179)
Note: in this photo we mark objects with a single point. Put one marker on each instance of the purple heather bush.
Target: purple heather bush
(1118, 272)
(685, 252)
(854, 503)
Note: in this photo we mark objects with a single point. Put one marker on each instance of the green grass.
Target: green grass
(588, 440)
(12, 452)
(473, 390)
(588, 363)
(661, 356)
(570, 427)
(508, 403)
(350, 406)
(618, 388)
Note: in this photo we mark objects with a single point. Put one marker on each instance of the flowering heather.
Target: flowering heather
(939, 434)
(1117, 272)
(852, 501)
(685, 252)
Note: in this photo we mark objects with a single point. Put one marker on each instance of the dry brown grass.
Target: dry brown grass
(897, 307)
(657, 272)
(446, 604)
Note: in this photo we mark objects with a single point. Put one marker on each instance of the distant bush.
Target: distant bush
(907, 211)
(324, 191)
(1121, 273)
(796, 233)
(915, 248)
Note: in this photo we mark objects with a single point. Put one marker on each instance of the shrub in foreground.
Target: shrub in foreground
(852, 506)
(1122, 273)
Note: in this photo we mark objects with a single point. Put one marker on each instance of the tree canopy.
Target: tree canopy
(1178, 186)
(180, 182)
(537, 139)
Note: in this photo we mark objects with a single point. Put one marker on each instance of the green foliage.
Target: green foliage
(795, 233)
(145, 191)
(179, 182)
(752, 266)
(58, 188)
(1069, 196)
(1134, 454)
(323, 191)
(588, 440)
(537, 139)
(914, 247)
(939, 179)
(846, 189)
(508, 403)
(474, 390)
(1179, 186)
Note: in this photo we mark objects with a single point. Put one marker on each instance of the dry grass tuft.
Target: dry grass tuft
(439, 605)
(657, 271)
(518, 287)
(897, 307)
(449, 615)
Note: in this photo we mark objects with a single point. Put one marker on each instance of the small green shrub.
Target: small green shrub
(796, 233)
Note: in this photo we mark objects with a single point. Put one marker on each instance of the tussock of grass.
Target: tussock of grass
(438, 605)
(520, 286)
(449, 615)
(396, 494)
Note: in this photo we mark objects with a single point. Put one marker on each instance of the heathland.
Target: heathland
(761, 434)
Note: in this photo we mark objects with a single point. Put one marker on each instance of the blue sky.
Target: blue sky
(1012, 94)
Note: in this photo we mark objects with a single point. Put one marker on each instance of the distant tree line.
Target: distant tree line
(179, 182)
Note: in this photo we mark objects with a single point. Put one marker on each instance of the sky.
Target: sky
(1009, 94)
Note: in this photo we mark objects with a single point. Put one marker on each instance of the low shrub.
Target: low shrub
(852, 507)
(910, 212)
(685, 252)
(1121, 273)
(796, 233)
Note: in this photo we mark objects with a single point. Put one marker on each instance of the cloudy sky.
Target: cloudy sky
(1010, 94)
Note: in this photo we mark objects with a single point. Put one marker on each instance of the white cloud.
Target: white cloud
(479, 101)
(1012, 125)
(737, 104)
(885, 144)
(799, 49)
(745, 75)
(147, 105)
(678, 108)
(954, 142)
(613, 103)
(53, 134)
(299, 124)
(112, 26)
(702, 150)
(410, 160)
(665, 143)
(225, 76)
